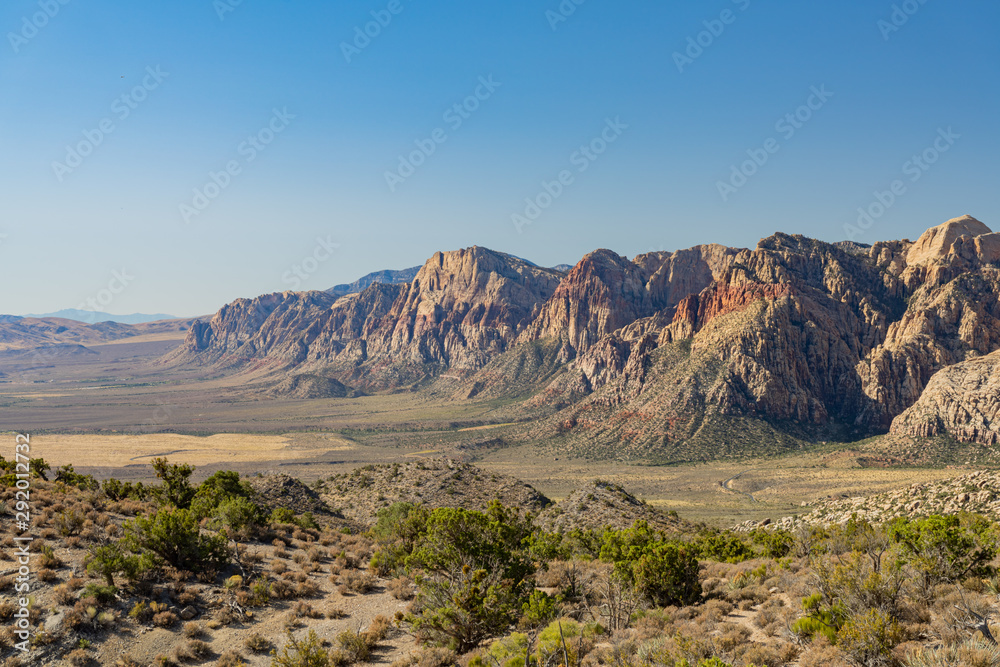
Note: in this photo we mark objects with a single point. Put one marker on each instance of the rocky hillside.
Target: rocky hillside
(669, 356)
(601, 505)
(29, 333)
(360, 493)
(962, 400)
(977, 492)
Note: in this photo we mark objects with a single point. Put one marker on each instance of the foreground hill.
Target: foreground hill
(601, 505)
(705, 352)
(360, 494)
(976, 492)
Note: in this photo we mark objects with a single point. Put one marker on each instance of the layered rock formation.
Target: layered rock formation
(655, 353)
(462, 309)
(962, 400)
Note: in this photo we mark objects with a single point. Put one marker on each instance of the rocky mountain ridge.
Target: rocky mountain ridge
(713, 344)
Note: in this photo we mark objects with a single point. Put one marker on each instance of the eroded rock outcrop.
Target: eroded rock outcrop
(962, 400)
(642, 354)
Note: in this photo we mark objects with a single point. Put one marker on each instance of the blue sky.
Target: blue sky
(188, 88)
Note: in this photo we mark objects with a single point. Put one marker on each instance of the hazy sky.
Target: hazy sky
(621, 121)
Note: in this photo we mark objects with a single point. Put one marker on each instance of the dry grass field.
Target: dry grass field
(111, 412)
(704, 492)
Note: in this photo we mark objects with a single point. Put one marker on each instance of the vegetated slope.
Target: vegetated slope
(601, 505)
(431, 482)
(306, 385)
(977, 492)
(278, 490)
(705, 352)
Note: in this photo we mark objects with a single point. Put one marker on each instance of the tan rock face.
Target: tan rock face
(276, 326)
(639, 351)
(962, 400)
(463, 308)
(937, 242)
(602, 293)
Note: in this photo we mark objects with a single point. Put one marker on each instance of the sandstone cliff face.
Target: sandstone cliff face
(674, 276)
(962, 400)
(640, 351)
(463, 308)
(953, 312)
(277, 327)
(602, 293)
(606, 292)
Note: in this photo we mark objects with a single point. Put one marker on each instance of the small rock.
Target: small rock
(189, 612)
(54, 623)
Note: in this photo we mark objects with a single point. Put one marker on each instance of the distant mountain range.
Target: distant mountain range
(394, 277)
(92, 316)
(703, 352)
(386, 276)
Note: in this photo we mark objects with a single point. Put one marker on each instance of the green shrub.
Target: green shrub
(307, 652)
(773, 543)
(117, 490)
(538, 610)
(176, 489)
(560, 634)
(724, 547)
(475, 575)
(947, 548)
(68, 476)
(868, 639)
(819, 620)
(172, 536)
(664, 572)
(103, 594)
(396, 531)
(113, 559)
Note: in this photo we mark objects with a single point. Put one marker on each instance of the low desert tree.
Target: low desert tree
(947, 548)
(112, 559)
(176, 489)
(67, 475)
(397, 530)
(228, 502)
(474, 575)
(664, 572)
(172, 537)
(117, 490)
